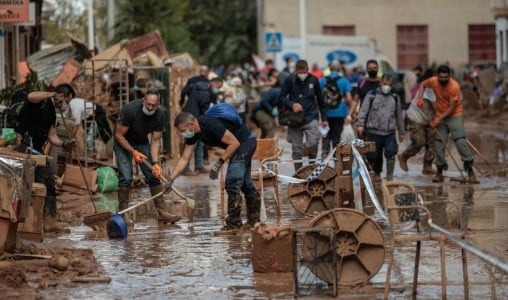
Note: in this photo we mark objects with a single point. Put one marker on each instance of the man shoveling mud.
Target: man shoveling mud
(239, 144)
(136, 120)
(448, 121)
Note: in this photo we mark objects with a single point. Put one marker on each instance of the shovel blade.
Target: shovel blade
(117, 228)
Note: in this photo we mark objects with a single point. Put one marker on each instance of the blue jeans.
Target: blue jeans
(124, 164)
(384, 143)
(198, 157)
(238, 177)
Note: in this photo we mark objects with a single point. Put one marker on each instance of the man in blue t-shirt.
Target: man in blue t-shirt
(338, 116)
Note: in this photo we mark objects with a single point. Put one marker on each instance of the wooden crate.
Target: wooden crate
(32, 229)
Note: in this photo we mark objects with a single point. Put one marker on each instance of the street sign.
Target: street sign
(273, 42)
(13, 11)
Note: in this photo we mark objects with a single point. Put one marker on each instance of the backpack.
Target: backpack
(11, 114)
(224, 111)
(331, 92)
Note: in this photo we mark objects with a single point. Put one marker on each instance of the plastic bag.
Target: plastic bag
(107, 180)
(348, 134)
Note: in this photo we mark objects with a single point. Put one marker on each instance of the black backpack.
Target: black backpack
(10, 115)
(331, 92)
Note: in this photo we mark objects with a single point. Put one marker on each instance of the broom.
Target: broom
(97, 221)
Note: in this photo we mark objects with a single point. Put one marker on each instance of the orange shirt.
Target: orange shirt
(445, 95)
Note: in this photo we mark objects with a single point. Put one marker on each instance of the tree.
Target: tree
(62, 19)
(213, 31)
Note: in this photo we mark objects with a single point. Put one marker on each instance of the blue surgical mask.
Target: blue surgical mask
(188, 134)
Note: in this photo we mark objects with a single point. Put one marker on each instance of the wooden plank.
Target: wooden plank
(40, 160)
(73, 177)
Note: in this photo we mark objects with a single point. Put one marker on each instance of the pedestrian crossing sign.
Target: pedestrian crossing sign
(273, 42)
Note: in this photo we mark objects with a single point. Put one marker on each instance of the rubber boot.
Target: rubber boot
(51, 224)
(390, 166)
(162, 214)
(468, 167)
(253, 201)
(439, 176)
(427, 168)
(234, 219)
(123, 203)
(403, 162)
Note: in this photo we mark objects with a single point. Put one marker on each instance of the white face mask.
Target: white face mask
(386, 89)
(302, 76)
(147, 112)
(188, 134)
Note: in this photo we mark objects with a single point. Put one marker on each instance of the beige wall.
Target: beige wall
(447, 21)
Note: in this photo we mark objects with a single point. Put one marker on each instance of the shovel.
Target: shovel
(117, 228)
(191, 204)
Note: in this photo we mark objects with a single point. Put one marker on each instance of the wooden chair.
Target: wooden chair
(401, 204)
(267, 150)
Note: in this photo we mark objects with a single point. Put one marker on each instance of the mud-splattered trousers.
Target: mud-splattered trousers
(45, 175)
(421, 135)
(124, 164)
(453, 126)
(238, 179)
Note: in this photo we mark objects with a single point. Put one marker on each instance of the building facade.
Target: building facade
(408, 32)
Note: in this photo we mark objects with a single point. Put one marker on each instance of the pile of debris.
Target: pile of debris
(117, 75)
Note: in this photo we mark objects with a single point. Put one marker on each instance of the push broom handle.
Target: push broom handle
(140, 203)
(190, 202)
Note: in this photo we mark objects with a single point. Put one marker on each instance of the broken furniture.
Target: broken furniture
(401, 203)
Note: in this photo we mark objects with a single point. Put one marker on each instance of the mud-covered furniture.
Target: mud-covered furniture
(408, 224)
(266, 150)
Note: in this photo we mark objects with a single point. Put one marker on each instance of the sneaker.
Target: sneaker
(438, 177)
(402, 162)
(202, 171)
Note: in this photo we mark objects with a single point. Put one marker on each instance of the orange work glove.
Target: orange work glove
(138, 156)
(434, 123)
(419, 102)
(157, 171)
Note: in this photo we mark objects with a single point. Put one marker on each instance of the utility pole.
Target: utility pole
(91, 34)
(260, 7)
(302, 29)
(111, 21)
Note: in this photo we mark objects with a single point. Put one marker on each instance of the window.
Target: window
(412, 46)
(482, 42)
(339, 30)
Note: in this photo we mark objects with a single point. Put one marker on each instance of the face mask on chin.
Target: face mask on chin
(147, 112)
(302, 76)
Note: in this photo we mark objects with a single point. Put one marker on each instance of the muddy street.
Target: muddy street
(186, 260)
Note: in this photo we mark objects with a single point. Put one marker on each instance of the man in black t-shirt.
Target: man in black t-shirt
(239, 144)
(36, 126)
(369, 83)
(136, 120)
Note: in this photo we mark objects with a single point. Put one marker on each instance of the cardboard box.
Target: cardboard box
(272, 249)
(31, 229)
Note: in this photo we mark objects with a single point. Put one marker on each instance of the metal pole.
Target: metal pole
(16, 52)
(260, 7)
(111, 21)
(491, 259)
(302, 29)
(91, 44)
(2, 57)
